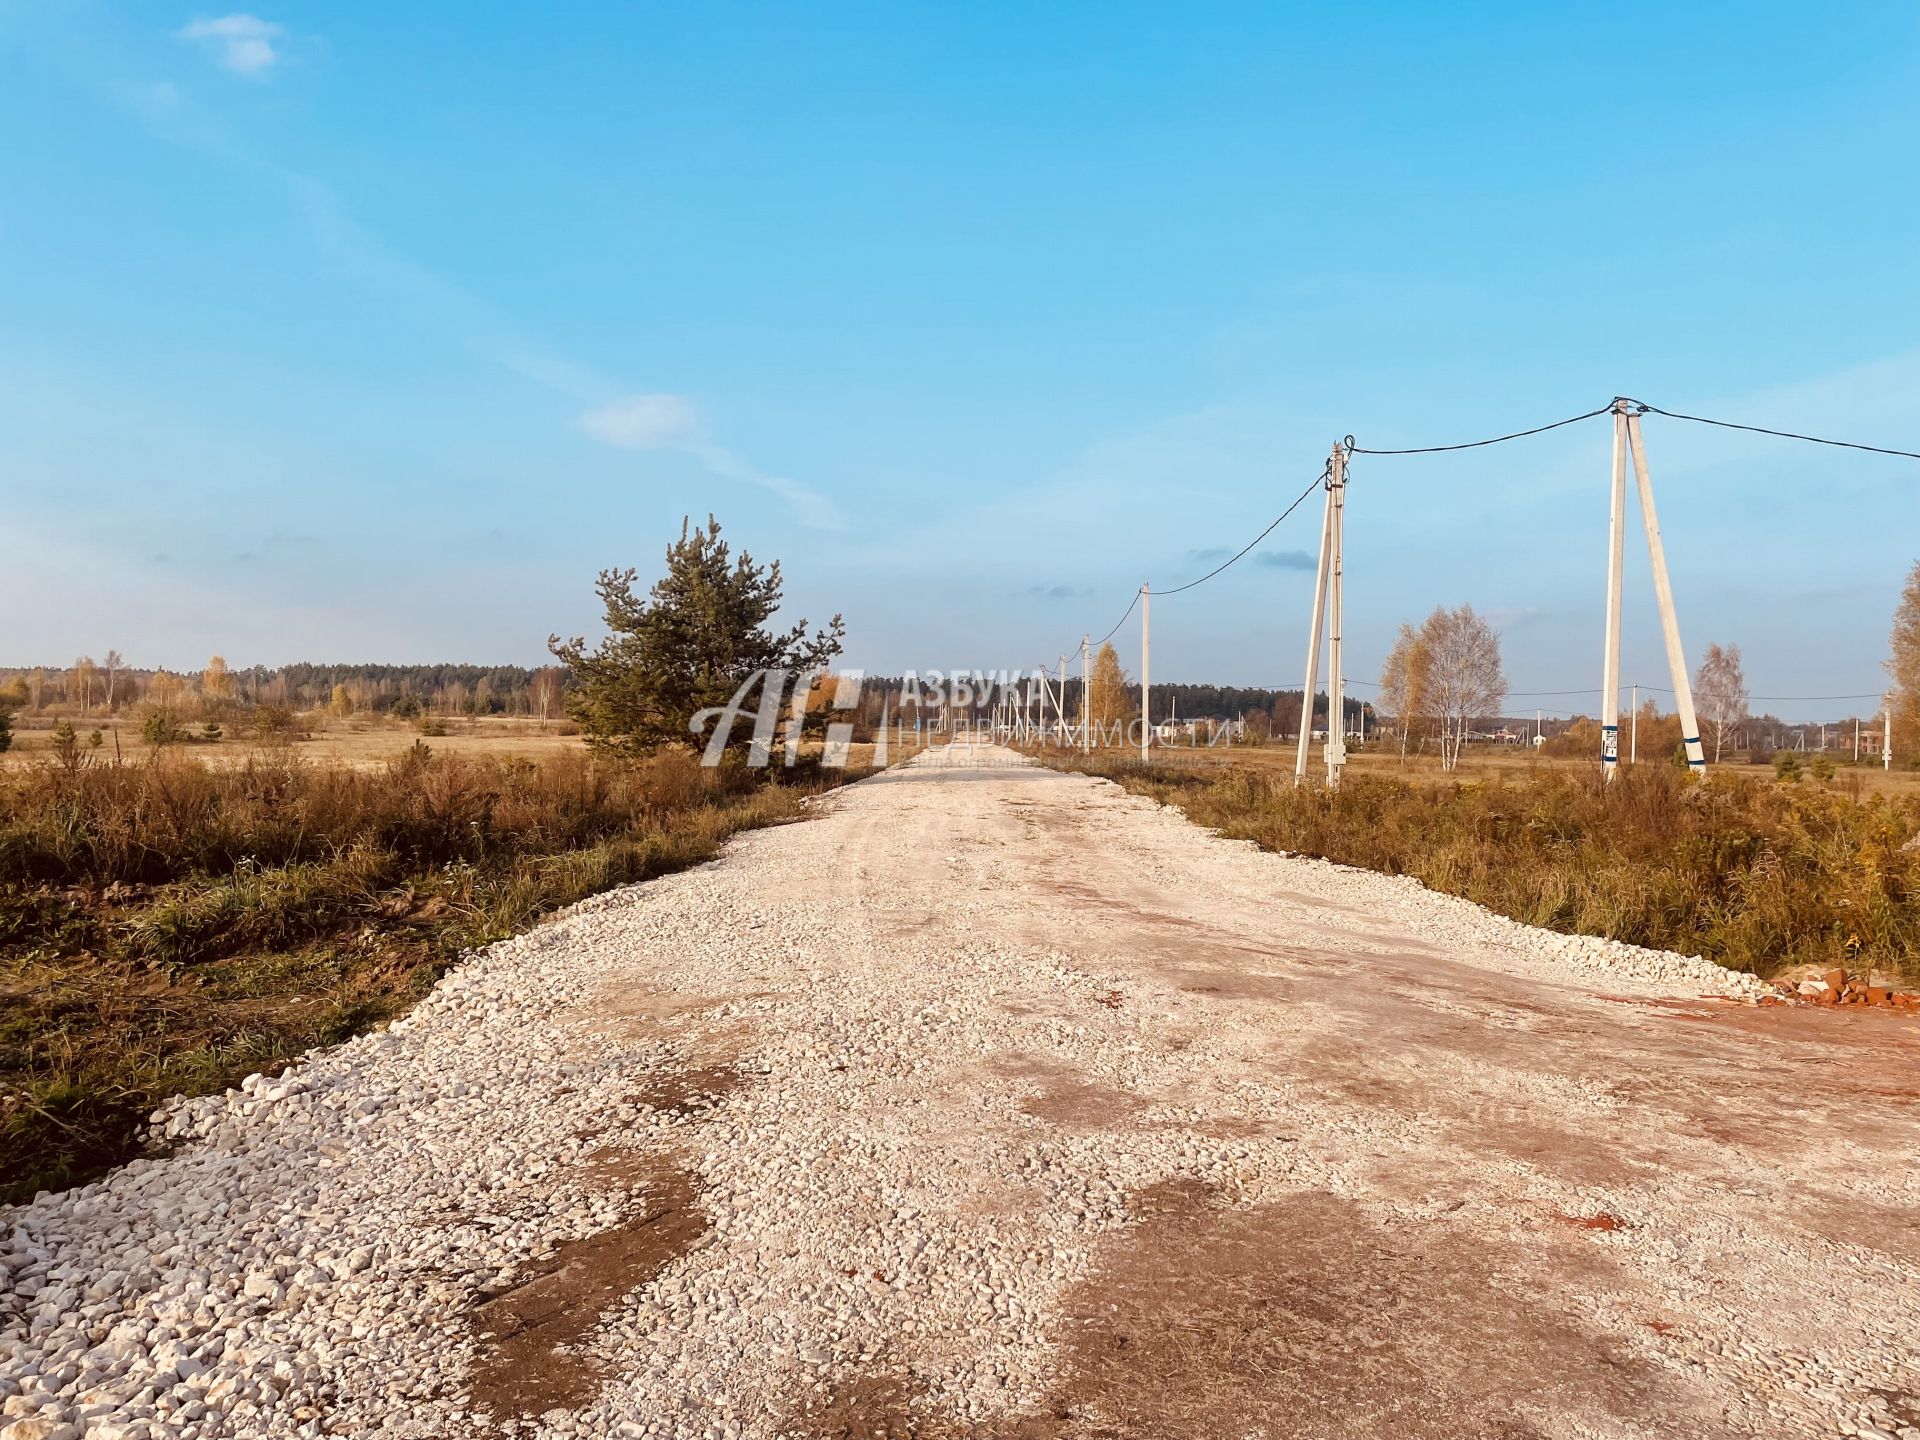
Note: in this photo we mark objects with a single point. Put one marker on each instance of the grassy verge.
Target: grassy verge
(1748, 872)
(167, 927)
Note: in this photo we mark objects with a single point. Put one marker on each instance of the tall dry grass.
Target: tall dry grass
(1751, 873)
(167, 926)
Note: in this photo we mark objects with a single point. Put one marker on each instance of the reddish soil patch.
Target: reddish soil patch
(524, 1366)
(1599, 1220)
(521, 1369)
(1076, 1105)
(689, 1092)
(1309, 1318)
(870, 1407)
(1578, 1157)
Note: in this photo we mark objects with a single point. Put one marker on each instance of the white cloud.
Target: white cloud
(643, 422)
(671, 422)
(244, 44)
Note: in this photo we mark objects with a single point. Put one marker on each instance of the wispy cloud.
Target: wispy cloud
(1286, 560)
(1055, 592)
(672, 422)
(643, 422)
(635, 422)
(1207, 557)
(244, 44)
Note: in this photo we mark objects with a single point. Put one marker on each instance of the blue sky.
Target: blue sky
(366, 332)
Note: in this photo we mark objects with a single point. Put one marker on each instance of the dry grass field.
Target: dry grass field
(366, 742)
(171, 922)
(1749, 870)
(1509, 762)
(362, 742)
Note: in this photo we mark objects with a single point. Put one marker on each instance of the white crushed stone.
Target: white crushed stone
(305, 1263)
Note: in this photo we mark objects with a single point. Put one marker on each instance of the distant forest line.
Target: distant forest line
(539, 692)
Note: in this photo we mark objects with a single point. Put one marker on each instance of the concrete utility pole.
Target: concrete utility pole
(1336, 751)
(1086, 696)
(1886, 736)
(1313, 637)
(1061, 706)
(1626, 430)
(1856, 739)
(1663, 592)
(1633, 743)
(1616, 569)
(1146, 686)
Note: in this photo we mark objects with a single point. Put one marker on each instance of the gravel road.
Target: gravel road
(995, 1101)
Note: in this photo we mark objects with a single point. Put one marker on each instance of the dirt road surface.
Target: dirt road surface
(997, 1102)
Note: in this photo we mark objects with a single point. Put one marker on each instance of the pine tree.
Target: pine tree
(697, 637)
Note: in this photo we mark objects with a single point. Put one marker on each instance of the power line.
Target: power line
(1318, 481)
(1118, 623)
(1511, 694)
(1353, 449)
(1299, 500)
(1651, 689)
(1780, 434)
(1865, 695)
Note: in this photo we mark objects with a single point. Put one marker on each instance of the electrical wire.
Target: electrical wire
(1511, 694)
(1650, 689)
(1118, 623)
(1319, 480)
(1863, 695)
(1299, 500)
(1353, 449)
(1780, 434)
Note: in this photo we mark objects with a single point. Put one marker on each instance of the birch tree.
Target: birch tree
(1904, 666)
(82, 685)
(112, 665)
(1720, 693)
(1464, 678)
(1404, 682)
(1107, 704)
(216, 681)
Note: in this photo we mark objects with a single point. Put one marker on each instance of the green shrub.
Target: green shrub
(1786, 767)
(158, 727)
(66, 746)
